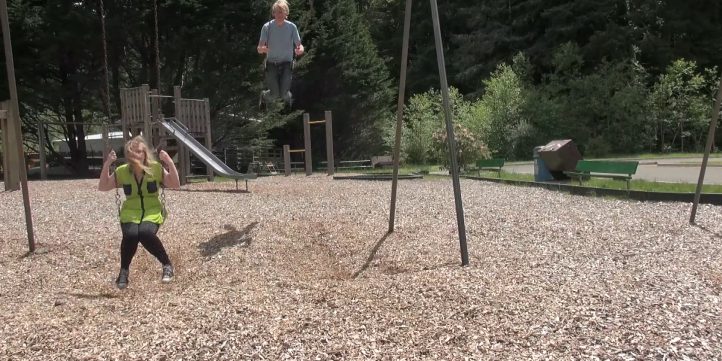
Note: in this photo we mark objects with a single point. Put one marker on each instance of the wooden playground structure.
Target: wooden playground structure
(141, 111)
(308, 159)
(11, 160)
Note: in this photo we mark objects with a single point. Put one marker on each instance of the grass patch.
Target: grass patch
(711, 163)
(504, 175)
(638, 185)
(406, 169)
(635, 184)
(647, 186)
(643, 156)
(662, 155)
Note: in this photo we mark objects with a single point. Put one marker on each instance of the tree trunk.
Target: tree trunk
(116, 84)
(80, 158)
(681, 135)
(72, 107)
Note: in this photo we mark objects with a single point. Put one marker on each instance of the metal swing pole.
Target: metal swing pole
(15, 122)
(449, 126)
(708, 149)
(400, 114)
(450, 134)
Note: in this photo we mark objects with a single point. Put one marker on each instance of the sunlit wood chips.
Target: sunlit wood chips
(302, 268)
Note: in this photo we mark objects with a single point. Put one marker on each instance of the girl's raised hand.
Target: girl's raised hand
(112, 157)
(165, 157)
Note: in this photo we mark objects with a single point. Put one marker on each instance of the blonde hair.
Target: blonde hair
(149, 154)
(281, 5)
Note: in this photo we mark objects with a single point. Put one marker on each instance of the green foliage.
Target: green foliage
(680, 104)
(603, 73)
(505, 125)
(348, 77)
(665, 31)
(422, 119)
(424, 133)
(603, 111)
(469, 147)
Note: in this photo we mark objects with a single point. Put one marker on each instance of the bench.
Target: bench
(354, 164)
(494, 164)
(619, 170)
(298, 167)
(262, 167)
(382, 160)
(348, 164)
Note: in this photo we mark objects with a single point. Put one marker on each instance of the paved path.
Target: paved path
(673, 170)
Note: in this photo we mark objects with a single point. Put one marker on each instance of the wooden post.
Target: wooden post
(106, 142)
(147, 127)
(287, 160)
(179, 115)
(329, 144)
(155, 111)
(41, 151)
(4, 140)
(10, 158)
(124, 113)
(15, 122)
(307, 143)
(209, 140)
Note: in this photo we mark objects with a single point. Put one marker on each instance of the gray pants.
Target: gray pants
(278, 81)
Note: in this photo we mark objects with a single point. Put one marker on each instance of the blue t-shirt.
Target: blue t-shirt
(281, 40)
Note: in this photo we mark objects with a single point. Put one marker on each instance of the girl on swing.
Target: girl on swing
(142, 211)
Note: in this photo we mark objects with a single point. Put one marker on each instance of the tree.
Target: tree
(668, 30)
(347, 76)
(680, 103)
(424, 135)
(496, 30)
(503, 102)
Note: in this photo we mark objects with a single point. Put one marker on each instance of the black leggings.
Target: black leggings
(145, 233)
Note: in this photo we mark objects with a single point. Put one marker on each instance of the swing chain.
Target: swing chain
(117, 200)
(162, 201)
(112, 170)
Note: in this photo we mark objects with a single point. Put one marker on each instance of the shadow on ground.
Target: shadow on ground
(231, 238)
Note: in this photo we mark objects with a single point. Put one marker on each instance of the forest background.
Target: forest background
(616, 76)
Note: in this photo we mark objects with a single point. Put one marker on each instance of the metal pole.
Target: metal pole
(400, 113)
(14, 120)
(707, 150)
(450, 134)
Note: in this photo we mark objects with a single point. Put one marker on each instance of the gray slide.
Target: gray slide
(178, 131)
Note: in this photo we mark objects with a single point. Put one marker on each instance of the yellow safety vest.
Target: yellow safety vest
(142, 202)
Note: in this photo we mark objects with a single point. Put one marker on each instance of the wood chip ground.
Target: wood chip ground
(302, 269)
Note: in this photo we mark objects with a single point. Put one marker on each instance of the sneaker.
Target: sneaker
(167, 273)
(289, 99)
(122, 281)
